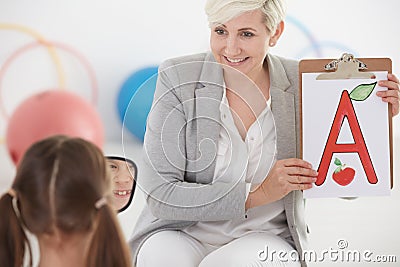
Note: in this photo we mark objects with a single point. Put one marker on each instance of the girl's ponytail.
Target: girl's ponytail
(12, 236)
(108, 246)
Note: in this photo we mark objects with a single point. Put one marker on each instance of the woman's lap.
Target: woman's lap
(175, 248)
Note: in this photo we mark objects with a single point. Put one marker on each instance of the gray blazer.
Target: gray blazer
(180, 147)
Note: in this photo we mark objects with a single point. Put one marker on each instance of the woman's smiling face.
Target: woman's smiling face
(243, 42)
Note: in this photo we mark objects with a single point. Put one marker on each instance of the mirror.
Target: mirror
(123, 175)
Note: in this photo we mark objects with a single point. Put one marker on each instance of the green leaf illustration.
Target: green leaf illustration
(338, 162)
(338, 169)
(362, 91)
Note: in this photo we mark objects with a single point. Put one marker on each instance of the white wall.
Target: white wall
(117, 37)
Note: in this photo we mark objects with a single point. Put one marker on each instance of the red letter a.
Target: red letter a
(345, 109)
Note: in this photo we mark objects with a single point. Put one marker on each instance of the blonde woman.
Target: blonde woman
(222, 175)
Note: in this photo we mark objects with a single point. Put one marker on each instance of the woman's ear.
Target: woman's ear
(278, 32)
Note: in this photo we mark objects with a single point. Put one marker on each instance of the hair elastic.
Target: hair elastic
(14, 196)
(12, 192)
(100, 203)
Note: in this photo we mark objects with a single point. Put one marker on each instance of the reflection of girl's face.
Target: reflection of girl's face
(122, 174)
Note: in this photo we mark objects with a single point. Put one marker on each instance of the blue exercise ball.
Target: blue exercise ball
(135, 99)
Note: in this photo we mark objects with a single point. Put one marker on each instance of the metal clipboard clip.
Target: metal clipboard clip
(346, 67)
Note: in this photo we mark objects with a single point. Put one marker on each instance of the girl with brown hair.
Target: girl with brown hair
(61, 195)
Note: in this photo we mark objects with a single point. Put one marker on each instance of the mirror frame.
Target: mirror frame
(127, 160)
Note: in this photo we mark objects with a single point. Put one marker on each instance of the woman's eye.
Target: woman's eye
(113, 166)
(219, 31)
(247, 34)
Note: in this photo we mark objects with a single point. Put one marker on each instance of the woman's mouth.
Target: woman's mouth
(235, 61)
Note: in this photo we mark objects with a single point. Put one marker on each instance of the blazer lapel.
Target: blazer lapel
(283, 109)
(208, 95)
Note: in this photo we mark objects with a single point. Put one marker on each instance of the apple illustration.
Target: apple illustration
(343, 175)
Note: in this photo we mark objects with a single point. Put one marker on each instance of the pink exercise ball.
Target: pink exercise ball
(49, 113)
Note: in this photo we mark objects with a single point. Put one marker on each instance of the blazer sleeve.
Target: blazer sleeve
(170, 194)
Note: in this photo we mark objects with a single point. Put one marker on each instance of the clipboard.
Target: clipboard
(345, 68)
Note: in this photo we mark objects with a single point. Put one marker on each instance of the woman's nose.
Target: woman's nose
(232, 46)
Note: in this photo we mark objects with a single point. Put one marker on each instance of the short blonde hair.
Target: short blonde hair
(221, 11)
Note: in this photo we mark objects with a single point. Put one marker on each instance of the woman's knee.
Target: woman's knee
(169, 249)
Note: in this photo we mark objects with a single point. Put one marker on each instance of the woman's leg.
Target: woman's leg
(171, 249)
(256, 249)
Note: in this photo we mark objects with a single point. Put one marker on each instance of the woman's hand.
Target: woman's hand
(392, 95)
(285, 176)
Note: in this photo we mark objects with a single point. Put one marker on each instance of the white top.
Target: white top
(246, 161)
